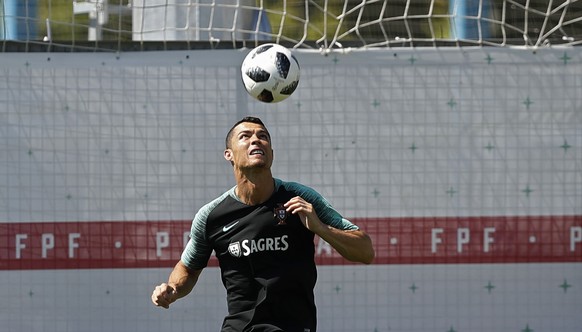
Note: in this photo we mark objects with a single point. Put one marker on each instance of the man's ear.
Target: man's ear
(228, 154)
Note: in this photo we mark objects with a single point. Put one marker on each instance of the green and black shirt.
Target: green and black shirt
(266, 257)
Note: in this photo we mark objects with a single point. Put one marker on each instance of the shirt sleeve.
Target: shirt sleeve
(197, 252)
(325, 211)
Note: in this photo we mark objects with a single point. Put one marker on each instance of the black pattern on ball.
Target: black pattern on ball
(270, 73)
(283, 64)
(265, 96)
(289, 88)
(262, 49)
(258, 75)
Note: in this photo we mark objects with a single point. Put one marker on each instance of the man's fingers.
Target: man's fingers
(297, 204)
(162, 296)
(168, 294)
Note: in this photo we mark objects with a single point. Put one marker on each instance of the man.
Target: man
(262, 232)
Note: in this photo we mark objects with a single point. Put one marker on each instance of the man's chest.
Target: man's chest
(240, 231)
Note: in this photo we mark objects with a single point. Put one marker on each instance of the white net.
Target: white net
(165, 24)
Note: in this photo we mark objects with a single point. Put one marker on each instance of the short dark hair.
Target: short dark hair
(250, 119)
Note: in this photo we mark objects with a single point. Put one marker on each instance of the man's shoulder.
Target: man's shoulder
(209, 207)
(291, 186)
(298, 189)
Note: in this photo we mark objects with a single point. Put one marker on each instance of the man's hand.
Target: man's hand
(180, 284)
(353, 245)
(164, 295)
(306, 213)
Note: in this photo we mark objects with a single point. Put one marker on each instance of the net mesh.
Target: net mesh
(114, 25)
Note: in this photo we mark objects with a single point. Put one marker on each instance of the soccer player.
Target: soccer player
(262, 232)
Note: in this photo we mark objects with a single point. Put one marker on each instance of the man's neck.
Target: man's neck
(255, 187)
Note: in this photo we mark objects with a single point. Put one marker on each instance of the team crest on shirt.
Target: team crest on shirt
(234, 249)
(280, 214)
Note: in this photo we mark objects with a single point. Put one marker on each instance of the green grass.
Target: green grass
(63, 24)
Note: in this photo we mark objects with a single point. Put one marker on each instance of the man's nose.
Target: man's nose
(255, 139)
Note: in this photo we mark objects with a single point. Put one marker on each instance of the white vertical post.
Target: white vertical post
(98, 11)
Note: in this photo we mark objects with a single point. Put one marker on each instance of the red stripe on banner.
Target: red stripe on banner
(499, 239)
(423, 240)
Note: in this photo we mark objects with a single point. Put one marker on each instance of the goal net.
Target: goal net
(326, 24)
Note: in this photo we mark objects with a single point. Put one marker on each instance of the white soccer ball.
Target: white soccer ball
(270, 73)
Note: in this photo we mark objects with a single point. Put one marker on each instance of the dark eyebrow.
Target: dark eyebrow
(248, 131)
(263, 131)
(243, 132)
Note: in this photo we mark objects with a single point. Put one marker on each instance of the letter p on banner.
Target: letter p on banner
(575, 237)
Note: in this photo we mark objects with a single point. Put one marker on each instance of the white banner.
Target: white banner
(451, 134)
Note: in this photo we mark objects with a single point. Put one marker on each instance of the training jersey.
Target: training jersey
(266, 257)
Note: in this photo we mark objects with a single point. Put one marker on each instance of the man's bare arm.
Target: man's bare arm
(180, 283)
(353, 245)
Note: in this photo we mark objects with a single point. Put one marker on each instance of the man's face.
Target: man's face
(250, 146)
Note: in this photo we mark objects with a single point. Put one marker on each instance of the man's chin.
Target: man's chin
(257, 165)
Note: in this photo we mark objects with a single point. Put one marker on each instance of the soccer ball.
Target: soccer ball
(270, 73)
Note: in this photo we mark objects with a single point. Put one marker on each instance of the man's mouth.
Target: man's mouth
(257, 151)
